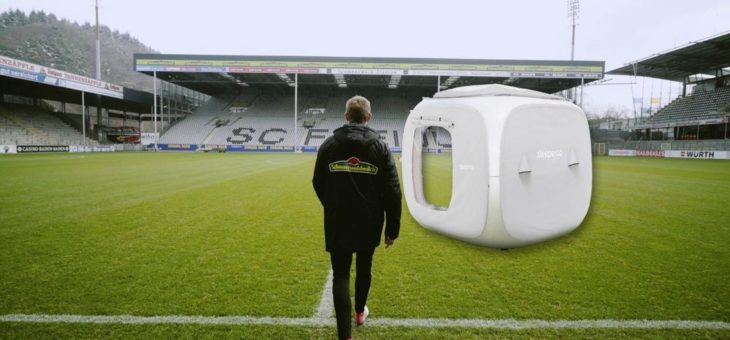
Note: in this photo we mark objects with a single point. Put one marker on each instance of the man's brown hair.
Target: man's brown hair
(357, 109)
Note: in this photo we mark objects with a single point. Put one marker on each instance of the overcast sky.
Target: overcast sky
(616, 31)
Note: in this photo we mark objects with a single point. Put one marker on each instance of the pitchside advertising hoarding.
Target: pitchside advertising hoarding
(621, 152)
(178, 147)
(92, 148)
(7, 149)
(42, 148)
(699, 154)
(147, 138)
(14, 68)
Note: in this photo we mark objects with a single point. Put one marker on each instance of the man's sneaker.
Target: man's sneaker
(360, 317)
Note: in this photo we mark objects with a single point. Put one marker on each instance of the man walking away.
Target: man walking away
(356, 181)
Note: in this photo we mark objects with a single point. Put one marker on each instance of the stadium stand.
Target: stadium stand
(28, 125)
(267, 120)
(253, 100)
(701, 105)
(190, 130)
(699, 118)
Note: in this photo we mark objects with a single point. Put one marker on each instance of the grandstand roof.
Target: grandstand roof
(699, 57)
(212, 74)
(23, 78)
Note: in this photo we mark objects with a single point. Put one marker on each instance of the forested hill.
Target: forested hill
(47, 40)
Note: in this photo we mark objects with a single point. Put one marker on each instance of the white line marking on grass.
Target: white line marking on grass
(549, 324)
(167, 319)
(372, 322)
(326, 305)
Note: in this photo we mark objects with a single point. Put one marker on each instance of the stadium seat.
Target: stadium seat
(700, 105)
(267, 120)
(29, 125)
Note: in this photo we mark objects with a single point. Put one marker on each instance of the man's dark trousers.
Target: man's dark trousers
(341, 262)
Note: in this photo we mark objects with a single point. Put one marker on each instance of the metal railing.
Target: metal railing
(707, 144)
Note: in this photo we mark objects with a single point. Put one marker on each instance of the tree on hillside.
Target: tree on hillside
(11, 18)
(37, 17)
(46, 39)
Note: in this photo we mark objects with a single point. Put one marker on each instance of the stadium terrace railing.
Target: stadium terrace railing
(710, 145)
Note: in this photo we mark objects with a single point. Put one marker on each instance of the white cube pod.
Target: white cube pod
(521, 165)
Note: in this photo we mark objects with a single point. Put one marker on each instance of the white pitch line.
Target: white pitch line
(549, 324)
(165, 319)
(326, 305)
(372, 322)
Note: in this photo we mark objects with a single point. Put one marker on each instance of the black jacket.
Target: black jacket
(357, 183)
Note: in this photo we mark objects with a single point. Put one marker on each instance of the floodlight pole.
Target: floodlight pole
(641, 107)
(98, 73)
(98, 43)
(435, 135)
(83, 117)
(154, 105)
(582, 81)
(572, 41)
(162, 107)
(296, 102)
(633, 96)
(698, 132)
(573, 10)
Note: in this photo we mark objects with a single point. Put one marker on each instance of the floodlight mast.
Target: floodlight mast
(98, 43)
(98, 73)
(154, 105)
(296, 99)
(573, 11)
(83, 117)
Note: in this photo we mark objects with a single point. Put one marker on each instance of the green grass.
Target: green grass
(654, 246)
(87, 331)
(241, 234)
(437, 178)
(159, 234)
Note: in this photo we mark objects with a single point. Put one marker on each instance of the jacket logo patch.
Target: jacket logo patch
(353, 164)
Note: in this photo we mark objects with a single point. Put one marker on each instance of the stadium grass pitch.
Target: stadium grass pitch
(241, 234)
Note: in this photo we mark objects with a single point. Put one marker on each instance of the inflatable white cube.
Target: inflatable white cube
(521, 165)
